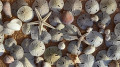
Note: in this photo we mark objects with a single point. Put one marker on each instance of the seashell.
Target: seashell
(95, 18)
(100, 64)
(52, 54)
(45, 37)
(17, 52)
(28, 56)
(1, 37)
(16, 5)
(94, 38)
(1, 28)
(84, 21)
(56, 5)
(113, 52)
(116, 29)
(9, 43)
(39, 59)
(25, 13)
(108, 6)
(67, 17)
(26, 29)
(34, 32)
(25, 44)
(36, 48)
(61, 45)
(89, 29)
(75, 6)
(107, 37)
(46, 64)
(2, 49)
(54, 19)
(60, 26)
(1, 6)
(92, 6)
(16, 63)
(15, 24)
(107, 31)
(117, 18)
(65, 62)
(8, 59)
(101, 31)
(73, 48)
(69, 37)
(89, 50)
(7, 9)
(87, 60)
(41, 6)
(8, 31)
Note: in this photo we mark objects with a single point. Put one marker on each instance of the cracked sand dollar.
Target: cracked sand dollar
(75, 6)
(25, 13)
(1, 6)
(17, 52)
(100, 64)
(34, 32)
(94, 38)
(65, 61)
(37, 48)
(117, 18)
(41, 6)
(56, 5)
(16, 63)
(84, 21)
(87, 60)
(2, 49)
(52, 55)
(73, 48)
(26, 29)
(108, 6)
(117, 29)
(25, 44)
(1, 37)
(92, 6)
(9, 43)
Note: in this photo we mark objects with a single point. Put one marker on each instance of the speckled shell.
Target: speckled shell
(92, 6)
(17, 52)
(75, 6)
(65, 62)
(100, 64)
(8, 59)
(56, 5)
(117, 29)
(1, 37)
(108, 6)
(89, 50)
(34, 32)
(73, 48)
(9, 43)
(114, 52)
(25, 13)
(1, 6)
(16, 63)
(26, 28)
(117, 18)
(52, 54)
(16, 5)
(36, 48)
(87, 60)
(45, 37)
(54, 18)
(41, 6)
(25, 44)
(2, 49)
(94, 38)
(84, 21)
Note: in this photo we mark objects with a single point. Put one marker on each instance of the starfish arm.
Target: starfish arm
(40, 29)
(38, 15)
(33, 23)
(46, 17)
(48, 25)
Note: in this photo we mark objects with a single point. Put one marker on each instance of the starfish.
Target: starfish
(41, 21)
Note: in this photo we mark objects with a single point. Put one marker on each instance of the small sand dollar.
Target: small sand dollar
(36, 48)
(16, 63)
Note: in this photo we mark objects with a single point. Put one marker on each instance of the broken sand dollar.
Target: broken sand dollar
(94, 38)
(1, 6)
(34, 32)
(73, 48)
(25, 13)
(54, 18)
(65, 62)
(100, 64)
(56, 5)
(36, 48)
(26, 29)
(108, 6)
(16, 63)
(114, 52)
(17, 52)
(42, 6)
(61, 45)
(45, 37)
(84, 21)
(52, 54)
(9, 43)
(75, 6)
(117, 18)
(25, 44)
(117, 29)
(15, 24)
(89, 50)
(1, 37)
(87, 60)
(92, 6)
(2, 49)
